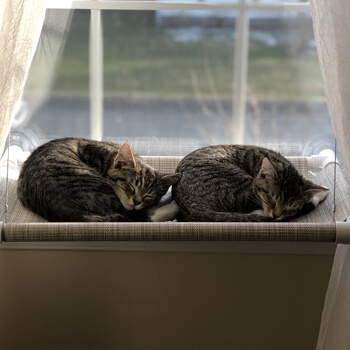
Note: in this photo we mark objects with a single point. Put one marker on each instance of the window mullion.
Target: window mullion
(96, 75)
(168, 5)
(240, 74)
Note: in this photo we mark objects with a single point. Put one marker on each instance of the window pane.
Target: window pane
(285, 97)
(168, 74)
(55, 102)
(169, 78)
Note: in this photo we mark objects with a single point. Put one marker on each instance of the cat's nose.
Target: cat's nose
(277, 212)
(136, 202)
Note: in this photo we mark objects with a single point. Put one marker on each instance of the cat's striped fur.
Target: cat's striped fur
(242, 183)
(74, 179)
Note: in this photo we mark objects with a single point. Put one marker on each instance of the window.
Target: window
(170, 77)
(163, 72)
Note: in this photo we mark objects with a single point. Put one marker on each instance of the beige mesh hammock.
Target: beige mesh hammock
(324, 224)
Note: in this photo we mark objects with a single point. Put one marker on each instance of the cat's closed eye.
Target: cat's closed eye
(115, 179)
(128, 187)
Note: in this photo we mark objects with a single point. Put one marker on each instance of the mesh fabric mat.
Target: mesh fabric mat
(24, 226)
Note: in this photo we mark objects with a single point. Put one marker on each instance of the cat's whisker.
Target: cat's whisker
(252, 197)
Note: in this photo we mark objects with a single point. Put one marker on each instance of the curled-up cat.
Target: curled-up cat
(242, 183)
(74, 179)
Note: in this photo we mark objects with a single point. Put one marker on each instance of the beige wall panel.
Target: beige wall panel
(145, 300)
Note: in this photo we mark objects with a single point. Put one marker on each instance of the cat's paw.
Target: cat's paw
(261, 213)
(166, 212)
(319, 197)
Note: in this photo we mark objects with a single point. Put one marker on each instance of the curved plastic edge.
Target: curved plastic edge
(320, 161)
(342, 230)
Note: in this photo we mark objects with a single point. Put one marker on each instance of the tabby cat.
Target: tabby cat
(74, 179)
(242, 183)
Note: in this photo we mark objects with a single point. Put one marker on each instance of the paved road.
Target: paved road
(204, 122)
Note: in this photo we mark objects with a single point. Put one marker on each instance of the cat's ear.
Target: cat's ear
(317, 193)
(267, 169)
(125, 157)
(169, 179)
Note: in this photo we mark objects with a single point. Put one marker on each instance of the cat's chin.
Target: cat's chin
(132, 207)
(128, 207)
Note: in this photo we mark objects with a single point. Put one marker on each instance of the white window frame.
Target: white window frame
(240, 58)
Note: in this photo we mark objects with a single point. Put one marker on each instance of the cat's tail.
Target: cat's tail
(208, 215)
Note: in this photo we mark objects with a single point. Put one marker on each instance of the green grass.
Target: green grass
(274, 74)
(143, 59)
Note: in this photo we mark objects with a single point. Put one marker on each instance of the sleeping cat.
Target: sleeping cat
(242, 183)
(74, 179)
